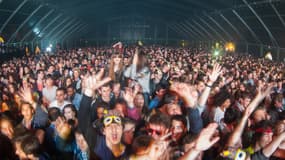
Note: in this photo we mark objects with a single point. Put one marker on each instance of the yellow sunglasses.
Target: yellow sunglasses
(112, 119)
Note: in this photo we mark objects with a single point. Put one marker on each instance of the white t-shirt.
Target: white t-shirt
(55, 104)
(219, 115)
(50, 94)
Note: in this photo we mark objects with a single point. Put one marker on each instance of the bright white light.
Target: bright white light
(50, 45)
(48, 49)
(216, 53)
(36, 31)
(268, 56)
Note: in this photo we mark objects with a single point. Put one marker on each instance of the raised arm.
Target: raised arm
(205, 140)
(212, 78)
(129, 97)
(186, 92)
(27, 96)
(189, 95)
(92, 83)
(235, 136)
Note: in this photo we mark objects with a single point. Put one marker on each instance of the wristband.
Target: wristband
(210, 86)
(88, 92)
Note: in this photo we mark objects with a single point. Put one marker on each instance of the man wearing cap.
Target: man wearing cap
(104, 140)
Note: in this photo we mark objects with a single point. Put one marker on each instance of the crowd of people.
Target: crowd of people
(142, 103)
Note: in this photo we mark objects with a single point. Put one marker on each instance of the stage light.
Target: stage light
(140, 43)
(216, 53)
(48, 49)
(36, 31)
(230, 47)
(268, 56)
(1, 40)
(50, 45)
(217, 45)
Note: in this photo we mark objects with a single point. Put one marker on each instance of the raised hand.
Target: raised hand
(186, 92)
(62, 128)
(207, 138)
(26, 95)
(129, 97)
(261, 94)
(159, 147)
(136, 58)
(217, 70)
(265, 91)
(94, 82)
(118, 44)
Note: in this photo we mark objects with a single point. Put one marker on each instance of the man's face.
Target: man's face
(246, 102)
(70, 92)
(278, 104)
(6, 129)
(128, 135)
(200, 87)
(265, 139)
(173, 109)
(27, 112)
(161, 92)
(105, 91)
(60, 96)
(126, 61)
(156, 131)
(260, 115)
(113, 133)
(19, 151)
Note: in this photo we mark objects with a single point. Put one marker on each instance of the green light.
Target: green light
(216, 53)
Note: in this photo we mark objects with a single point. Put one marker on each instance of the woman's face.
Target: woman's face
(117, 59)
(11, 79)
(139, 100)
(11, 88)
(68, 82)
(227, 103)
(68, 113)
(100, 112)
(26, 69)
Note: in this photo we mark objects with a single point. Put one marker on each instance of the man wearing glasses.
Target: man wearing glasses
(158, 125)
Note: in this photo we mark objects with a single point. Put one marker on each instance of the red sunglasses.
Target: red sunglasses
(152, 131)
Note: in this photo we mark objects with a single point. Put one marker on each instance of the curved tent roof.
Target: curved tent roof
(244, 21)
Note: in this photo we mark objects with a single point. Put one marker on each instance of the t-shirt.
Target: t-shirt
(258, 156)
(219, 116)
(50, 94)
(103, 152)
(55, 104)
